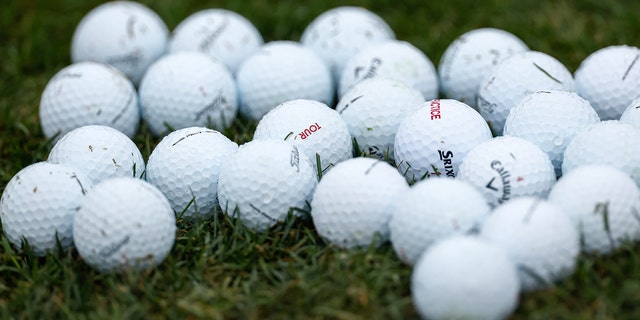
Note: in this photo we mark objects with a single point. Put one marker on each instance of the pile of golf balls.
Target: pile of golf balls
(496, 190)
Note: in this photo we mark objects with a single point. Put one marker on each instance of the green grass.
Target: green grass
(217, 269)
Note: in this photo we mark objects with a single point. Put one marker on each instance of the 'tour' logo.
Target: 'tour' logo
(309, 131)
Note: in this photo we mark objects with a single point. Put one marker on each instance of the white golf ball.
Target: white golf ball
(609, 142)
(550, 119)
(353, 202)
(465, 277)
(339, 33)
(454, 207)
(124, 223)
(88, 93)
(221, 34)
(538, 236)
(632, 113)
(373, 110)
(435, 138)
(262, 181)
(609, 78)
(281, 71)
(187, 89)
(507, 167)
(470, 58)
(38, 205)
(604, 204)
(313, 127)
(125, 34)
(393, 59)
(100, 152)
(185, 166)
(514, 78)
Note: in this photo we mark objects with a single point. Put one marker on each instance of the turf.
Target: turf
(217, 269)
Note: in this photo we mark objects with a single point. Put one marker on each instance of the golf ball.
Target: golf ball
(516, 77)
(263, 181)
(454, 207)
(465, 277)
(124, 223)
(100, 152)
(604, 204)
(221, 34)
(470, 58)
(435, 138)
(88, 93)
(507, 167)
(125, 34)
(313, 127)
(353, 202)
(393, 59)
(632, 113)
(281, 71)
(185, 166)
(373, 110)
(187, 89)
(538, 236)
(609, 142)
(550, 119)
(609, 78)
(38, 205)
(339, 33)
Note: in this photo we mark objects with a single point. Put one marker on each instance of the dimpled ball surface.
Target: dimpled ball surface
(100, 152)
(538, 236)
(393, 59)
(603, 202)
(39, 203)
(373, 110)
(464, 277)
(263, 180)
(124, 223)
(339, 33)
(454, 207)
(516, 77)
(470, 58)
(313, 127)
(508, 167)
(88, 93)
(353, 203)
(550, 119)
(185, 166)
(222, 34)
(187, 89)
(125, 34)
(435, 138)
(608, 142)
(632, 113)
(281, 71)
(609, 78)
